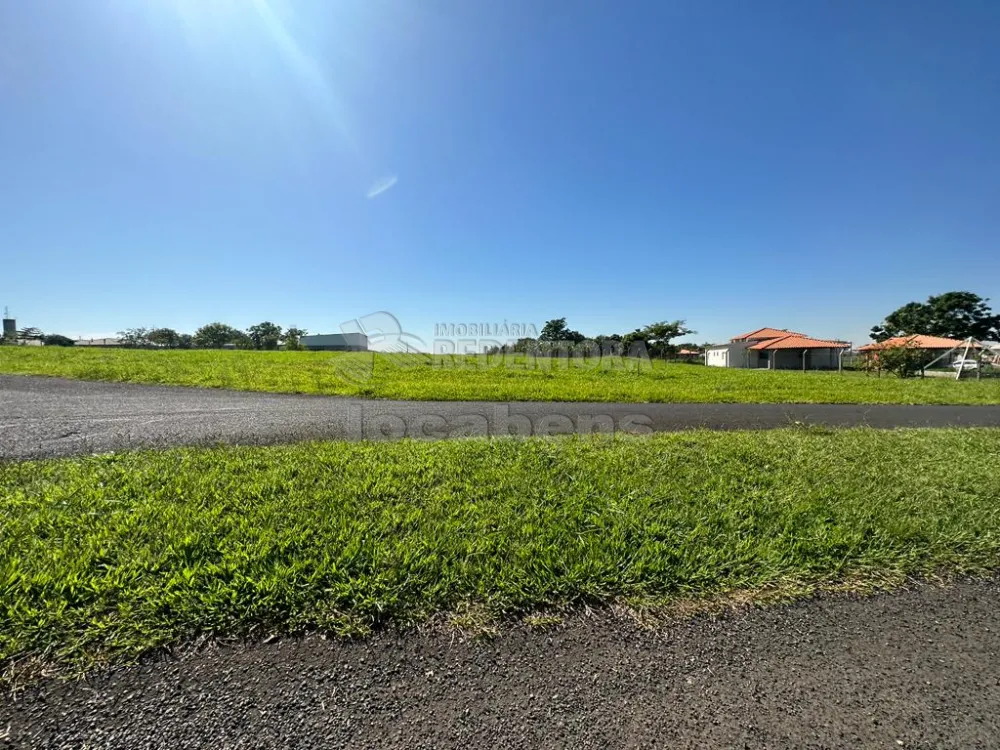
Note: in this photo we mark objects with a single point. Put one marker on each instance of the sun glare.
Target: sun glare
(248, 27)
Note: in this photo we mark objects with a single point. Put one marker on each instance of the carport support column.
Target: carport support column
(804, 353)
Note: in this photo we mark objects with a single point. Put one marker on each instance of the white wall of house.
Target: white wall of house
(728, 355)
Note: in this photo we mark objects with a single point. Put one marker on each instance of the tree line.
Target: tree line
(556, 337)
(263, 336)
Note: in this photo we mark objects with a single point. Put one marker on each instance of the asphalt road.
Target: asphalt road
(42, 417)
(920, 669)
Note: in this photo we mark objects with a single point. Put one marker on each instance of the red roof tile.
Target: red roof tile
(765, 333)
(918, 340)
(796, 341)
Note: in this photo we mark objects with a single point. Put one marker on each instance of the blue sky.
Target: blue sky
(809, 165)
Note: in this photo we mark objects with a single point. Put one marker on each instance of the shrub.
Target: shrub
(54, 339)
(903, 361)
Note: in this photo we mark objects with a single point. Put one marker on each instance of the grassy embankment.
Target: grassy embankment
(422, 377)
(107, 556)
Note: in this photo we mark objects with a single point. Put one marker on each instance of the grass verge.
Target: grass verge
(514, 378)
(108, 556)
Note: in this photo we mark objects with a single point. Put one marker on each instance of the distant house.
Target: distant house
(688, 354)
(336, 342)
(933, 345)
(776, 349)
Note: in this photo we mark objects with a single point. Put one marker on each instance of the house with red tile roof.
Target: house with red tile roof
(688, 354)
(931, 343)
(777, 349)
(935, 347)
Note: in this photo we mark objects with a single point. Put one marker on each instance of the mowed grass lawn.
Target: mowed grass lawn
(107, 556)
(519, 378)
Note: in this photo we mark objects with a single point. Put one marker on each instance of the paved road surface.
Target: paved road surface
(919, 669)
(42, 417)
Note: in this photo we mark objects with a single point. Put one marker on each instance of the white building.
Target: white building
(776, 349)
(336, 342)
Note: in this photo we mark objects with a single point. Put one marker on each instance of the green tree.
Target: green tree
(54, 339)
(265, 335)
(633, 341)
(955, 315)
(557, 330)
(292, 338)
(659, 335)
(165, 337)
(904, 360)
(242, 340)
(134, 337)
(29, 334)
(215, 336)
(610, 343)
(185, 341)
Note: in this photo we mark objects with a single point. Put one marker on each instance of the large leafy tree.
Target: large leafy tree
(557, 330)
(165, 337)
(956, 315)
(216, 336)
(292, 338)
(265, 335)
(660, 334)
(664, 331)
(633, 338)
(29, 334)
(242, 340)
(134, 337)
(656, 337)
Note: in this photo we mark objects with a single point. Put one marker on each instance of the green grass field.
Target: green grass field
(422, 377)
(108, 556)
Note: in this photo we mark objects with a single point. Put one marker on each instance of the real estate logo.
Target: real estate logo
(475, 345)
(385, 335)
